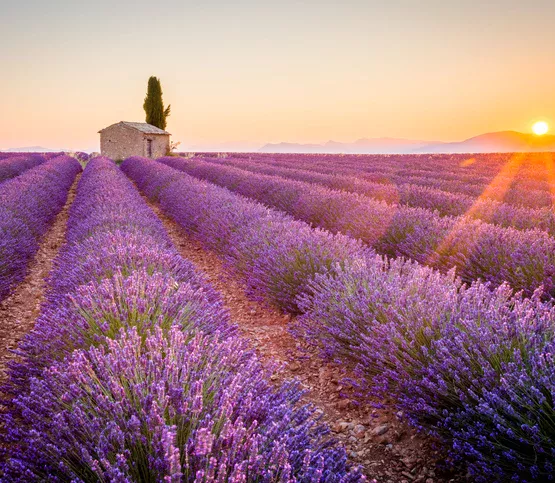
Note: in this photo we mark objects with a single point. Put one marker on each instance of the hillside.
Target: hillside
(496, 142)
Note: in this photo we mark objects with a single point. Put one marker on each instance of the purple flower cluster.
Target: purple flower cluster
(5, 155)
(15, 165)
(28, 205)
(276, 254)
(409, 194)
(82, 156)
(133, 371)
(478, 250)
(168, 407)
(467, 364)
(522, 179)
(471, 365)
(46, 156)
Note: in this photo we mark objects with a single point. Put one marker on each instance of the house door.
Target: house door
(149, 148)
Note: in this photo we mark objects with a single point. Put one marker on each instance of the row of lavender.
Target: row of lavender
(15, 165)
(47, 156)
(484, 208)
(468, 364)
(478, 250)
(133, 371)
(520, 178)
(480, 168)
(527, 170)
(28, 205)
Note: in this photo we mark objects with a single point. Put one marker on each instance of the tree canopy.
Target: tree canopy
(156, 114)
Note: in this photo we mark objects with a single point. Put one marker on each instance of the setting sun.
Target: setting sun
(540, 128)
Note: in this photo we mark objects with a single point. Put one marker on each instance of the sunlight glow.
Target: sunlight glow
(540, 128)
(467, 162)
(496, 190)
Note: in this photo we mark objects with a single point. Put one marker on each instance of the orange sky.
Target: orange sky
(251, 72)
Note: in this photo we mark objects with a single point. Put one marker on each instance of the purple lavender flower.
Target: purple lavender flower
(478, 250)
(394, 189)
(134, 373)
(28, 206)
(13, 166)
(136, 397)
(469, 364)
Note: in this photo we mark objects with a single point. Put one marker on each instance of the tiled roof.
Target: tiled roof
(140, 126)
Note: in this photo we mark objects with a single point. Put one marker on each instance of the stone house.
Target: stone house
(124, 139)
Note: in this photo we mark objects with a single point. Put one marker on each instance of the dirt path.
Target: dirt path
(19, 311)
(378, 440)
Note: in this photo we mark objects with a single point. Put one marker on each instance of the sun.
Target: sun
(540, 128)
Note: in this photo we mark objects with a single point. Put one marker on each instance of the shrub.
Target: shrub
(169, 409)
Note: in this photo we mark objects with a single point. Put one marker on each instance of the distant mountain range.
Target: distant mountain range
(32, 149)
(361, 146)
(497, 142)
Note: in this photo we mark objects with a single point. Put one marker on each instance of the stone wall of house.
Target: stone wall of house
(160, 144)
(119, 142)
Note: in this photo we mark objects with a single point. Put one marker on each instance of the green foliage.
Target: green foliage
(156, 113)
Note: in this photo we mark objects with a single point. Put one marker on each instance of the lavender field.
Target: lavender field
(425, 281)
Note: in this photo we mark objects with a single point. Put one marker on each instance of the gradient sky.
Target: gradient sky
(250, 72)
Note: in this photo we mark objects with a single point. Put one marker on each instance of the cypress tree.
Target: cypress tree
(156, 114)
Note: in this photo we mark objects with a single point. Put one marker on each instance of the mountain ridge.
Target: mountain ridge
(360, 146)
(32, 149)
(494, 142)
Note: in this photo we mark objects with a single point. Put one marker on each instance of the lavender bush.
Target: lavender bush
(276, 254)
(124, 251)
(524, 259)
(445, 354)
(447, 204)
(133, 371)
(11, 167)
(100, 309)
(114, 272)
(518, 416)
(177, 410)
(518, 179)
(469, 364)
(82, 157)
(28, 205)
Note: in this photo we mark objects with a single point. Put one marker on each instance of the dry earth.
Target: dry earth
(378, 440)
(19, 311)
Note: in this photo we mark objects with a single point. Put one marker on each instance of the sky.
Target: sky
(244, 73)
